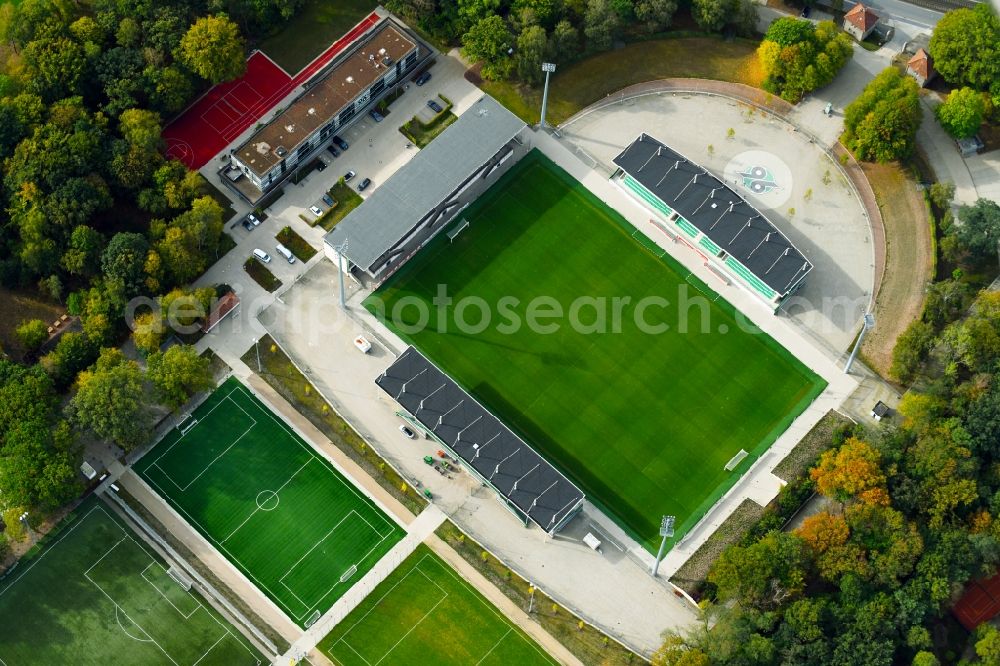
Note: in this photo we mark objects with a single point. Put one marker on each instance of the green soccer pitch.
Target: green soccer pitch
(283, 515)
(644, 422)
(423, 613)
(93, 594)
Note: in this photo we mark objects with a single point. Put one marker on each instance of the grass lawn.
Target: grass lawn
(585, 82)
(347, 200)
(277, 510)
(261, 274)
(421, 134)
(317, 25)
(644, 422)
(423, 613)
(296, 243)
(96, 594)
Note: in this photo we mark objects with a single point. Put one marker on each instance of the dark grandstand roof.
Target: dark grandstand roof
(717, 211)
(512, 467)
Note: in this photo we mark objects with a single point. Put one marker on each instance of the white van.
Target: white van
(263, 256)
(285, 252)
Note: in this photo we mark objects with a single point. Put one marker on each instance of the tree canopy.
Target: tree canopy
(798, 56)
(965, 46)
(881, 124)
(214, 48)
(962, 113)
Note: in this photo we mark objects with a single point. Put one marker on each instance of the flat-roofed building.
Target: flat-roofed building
(428, 193)
(357, 79)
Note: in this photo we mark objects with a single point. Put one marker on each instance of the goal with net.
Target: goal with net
(350, 572)
(186, 424)
(736, 460)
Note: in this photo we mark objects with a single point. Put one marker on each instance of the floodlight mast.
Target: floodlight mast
(341, 249)
(548, 68)
(666, 531)
(868, 322)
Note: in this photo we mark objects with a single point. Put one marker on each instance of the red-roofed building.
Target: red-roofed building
(921, 67)
(979, 603)
(860, 21)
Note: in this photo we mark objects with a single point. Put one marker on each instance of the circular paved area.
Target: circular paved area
(779, 170)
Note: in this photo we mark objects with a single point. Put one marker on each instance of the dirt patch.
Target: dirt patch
(17, 307)
(809, 448)
(691, 576)
(909, 260)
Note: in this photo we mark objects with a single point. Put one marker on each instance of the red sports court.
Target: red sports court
(979, 603)
(228, 109)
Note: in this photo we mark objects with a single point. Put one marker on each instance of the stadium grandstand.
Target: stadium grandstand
(697, 209)
(530, 487)
(427, 193)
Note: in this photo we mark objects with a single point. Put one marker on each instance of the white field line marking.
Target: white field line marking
(343, 639)
(183, 435)
(167, 599)
(482, 599)
(324, 538)
(276, 492)
(351, 648)
(147, 639)
(119, 608)
(298, 440)
(211, 647)
(214, 460)
(509, 629)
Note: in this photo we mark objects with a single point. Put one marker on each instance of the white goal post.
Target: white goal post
(736, 460)
(186, 424)
(459, 228)
(350, 572)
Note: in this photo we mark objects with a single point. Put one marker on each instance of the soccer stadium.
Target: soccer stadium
(645, 424)
(277, 510)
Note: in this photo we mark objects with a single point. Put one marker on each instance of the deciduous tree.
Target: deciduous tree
(109, 400)
(489, 40)
(966, 47)
(178, 373)
(214, 49)
(962, 113)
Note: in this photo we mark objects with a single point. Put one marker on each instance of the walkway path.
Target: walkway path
(421, 528)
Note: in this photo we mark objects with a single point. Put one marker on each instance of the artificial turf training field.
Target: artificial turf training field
(645, 423)
(423, 613)
(283, 515)
(95, 595)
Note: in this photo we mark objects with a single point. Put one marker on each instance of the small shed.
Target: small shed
(879, 410)
(860, 21)
(921, 67)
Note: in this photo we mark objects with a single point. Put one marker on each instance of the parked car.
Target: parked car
(285, 252)
(333, 150)
(363, 185)
(247, 224)
(321, 165)
(253, 219)
(806, 11)
(348, 176)
(434, 106)
(328, 200)
(407, 431)
(423, 78)
(316, 210)
(340, 143)
(376, 116)
(262, 256)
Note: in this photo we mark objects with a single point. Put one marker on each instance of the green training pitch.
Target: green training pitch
(94, 594)
(424, 613)
(645, 422)
(282, 514)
